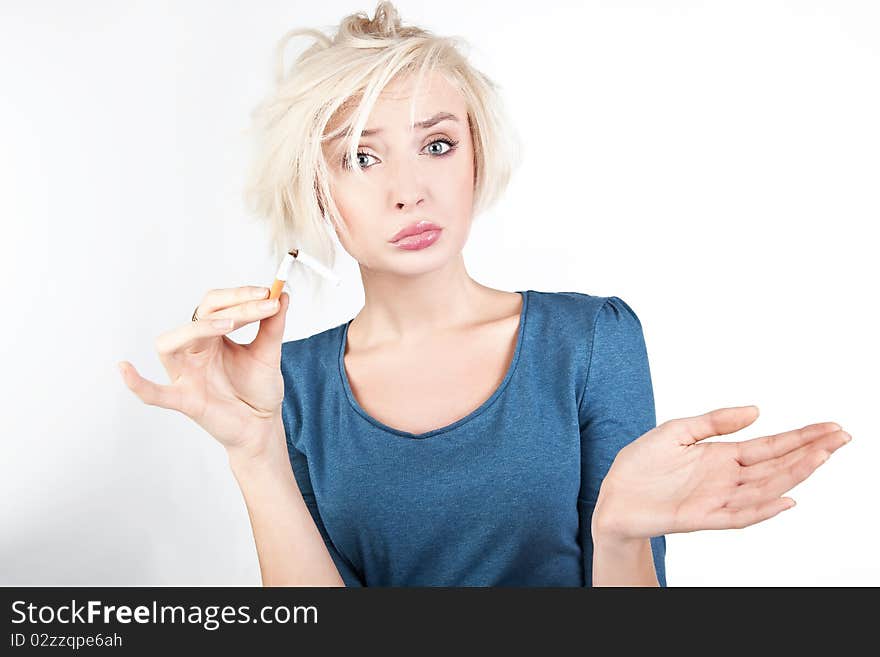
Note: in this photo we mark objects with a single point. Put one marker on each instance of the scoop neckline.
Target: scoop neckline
(457, 423)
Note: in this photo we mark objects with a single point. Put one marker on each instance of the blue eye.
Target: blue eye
(360, 154)
(451, 143)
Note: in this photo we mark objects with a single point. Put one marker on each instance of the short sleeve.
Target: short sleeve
(301, 472)
(617, 407)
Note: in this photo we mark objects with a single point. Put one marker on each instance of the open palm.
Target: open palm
(668, 481)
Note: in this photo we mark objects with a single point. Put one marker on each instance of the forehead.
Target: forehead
(434, 89)
(391, 109)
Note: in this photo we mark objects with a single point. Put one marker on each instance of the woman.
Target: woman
(450, 433)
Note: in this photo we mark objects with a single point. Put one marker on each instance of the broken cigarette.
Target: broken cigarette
(297, 255)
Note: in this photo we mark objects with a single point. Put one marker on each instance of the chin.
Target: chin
(422, 261)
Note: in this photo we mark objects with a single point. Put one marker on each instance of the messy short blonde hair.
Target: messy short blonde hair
(288, 183)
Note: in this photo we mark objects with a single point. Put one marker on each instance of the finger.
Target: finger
(192, 336)
(195, 337)
(829, 442)
(756, 450)
(733, 518)
(266, 346)
(215, 300)
(777, 484)
(149, 392)
(714, 423)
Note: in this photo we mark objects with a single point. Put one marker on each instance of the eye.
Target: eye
(450, 143)
(360, 154)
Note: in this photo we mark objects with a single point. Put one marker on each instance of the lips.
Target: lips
(414, 229)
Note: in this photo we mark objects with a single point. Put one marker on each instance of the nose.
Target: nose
(407, 189)
(404, 204)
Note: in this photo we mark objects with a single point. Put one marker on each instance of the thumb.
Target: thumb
(719, 422)
(267, 344)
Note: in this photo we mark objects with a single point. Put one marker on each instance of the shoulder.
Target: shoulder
(584, 314)
(616, 326)
(307, 369)
(589, 333)
(311, 351)
(313, 359)
(617, 353)
(618, 390)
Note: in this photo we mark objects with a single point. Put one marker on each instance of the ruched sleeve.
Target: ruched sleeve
(617, 407)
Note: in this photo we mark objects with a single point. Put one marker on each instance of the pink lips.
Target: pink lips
(415, 229)
(416, 236)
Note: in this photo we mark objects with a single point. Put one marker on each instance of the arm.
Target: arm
(616, 408)
(622, 563)
(290, 548)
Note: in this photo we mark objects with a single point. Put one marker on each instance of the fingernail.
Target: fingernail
(260, 293)
(269, 304)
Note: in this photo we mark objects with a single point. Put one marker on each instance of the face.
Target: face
(409, 175)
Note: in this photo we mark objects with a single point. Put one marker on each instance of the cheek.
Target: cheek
(353, 206)
(344, 199)
(464, 180)
(467, 164)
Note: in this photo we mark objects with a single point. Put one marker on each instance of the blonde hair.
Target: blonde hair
(288, 182)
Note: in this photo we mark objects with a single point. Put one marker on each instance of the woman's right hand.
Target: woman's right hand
(234, 391)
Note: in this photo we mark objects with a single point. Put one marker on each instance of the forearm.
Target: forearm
(290, 548)
(618, 559)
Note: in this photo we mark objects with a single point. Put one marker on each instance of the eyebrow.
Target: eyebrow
(427, 123)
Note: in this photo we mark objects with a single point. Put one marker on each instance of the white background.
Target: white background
(714, 164)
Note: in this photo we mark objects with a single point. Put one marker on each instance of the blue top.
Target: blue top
(501, 497)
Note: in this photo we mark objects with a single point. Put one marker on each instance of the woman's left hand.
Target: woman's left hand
(667, 481)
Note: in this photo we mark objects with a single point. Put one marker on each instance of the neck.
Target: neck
(405, 309)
